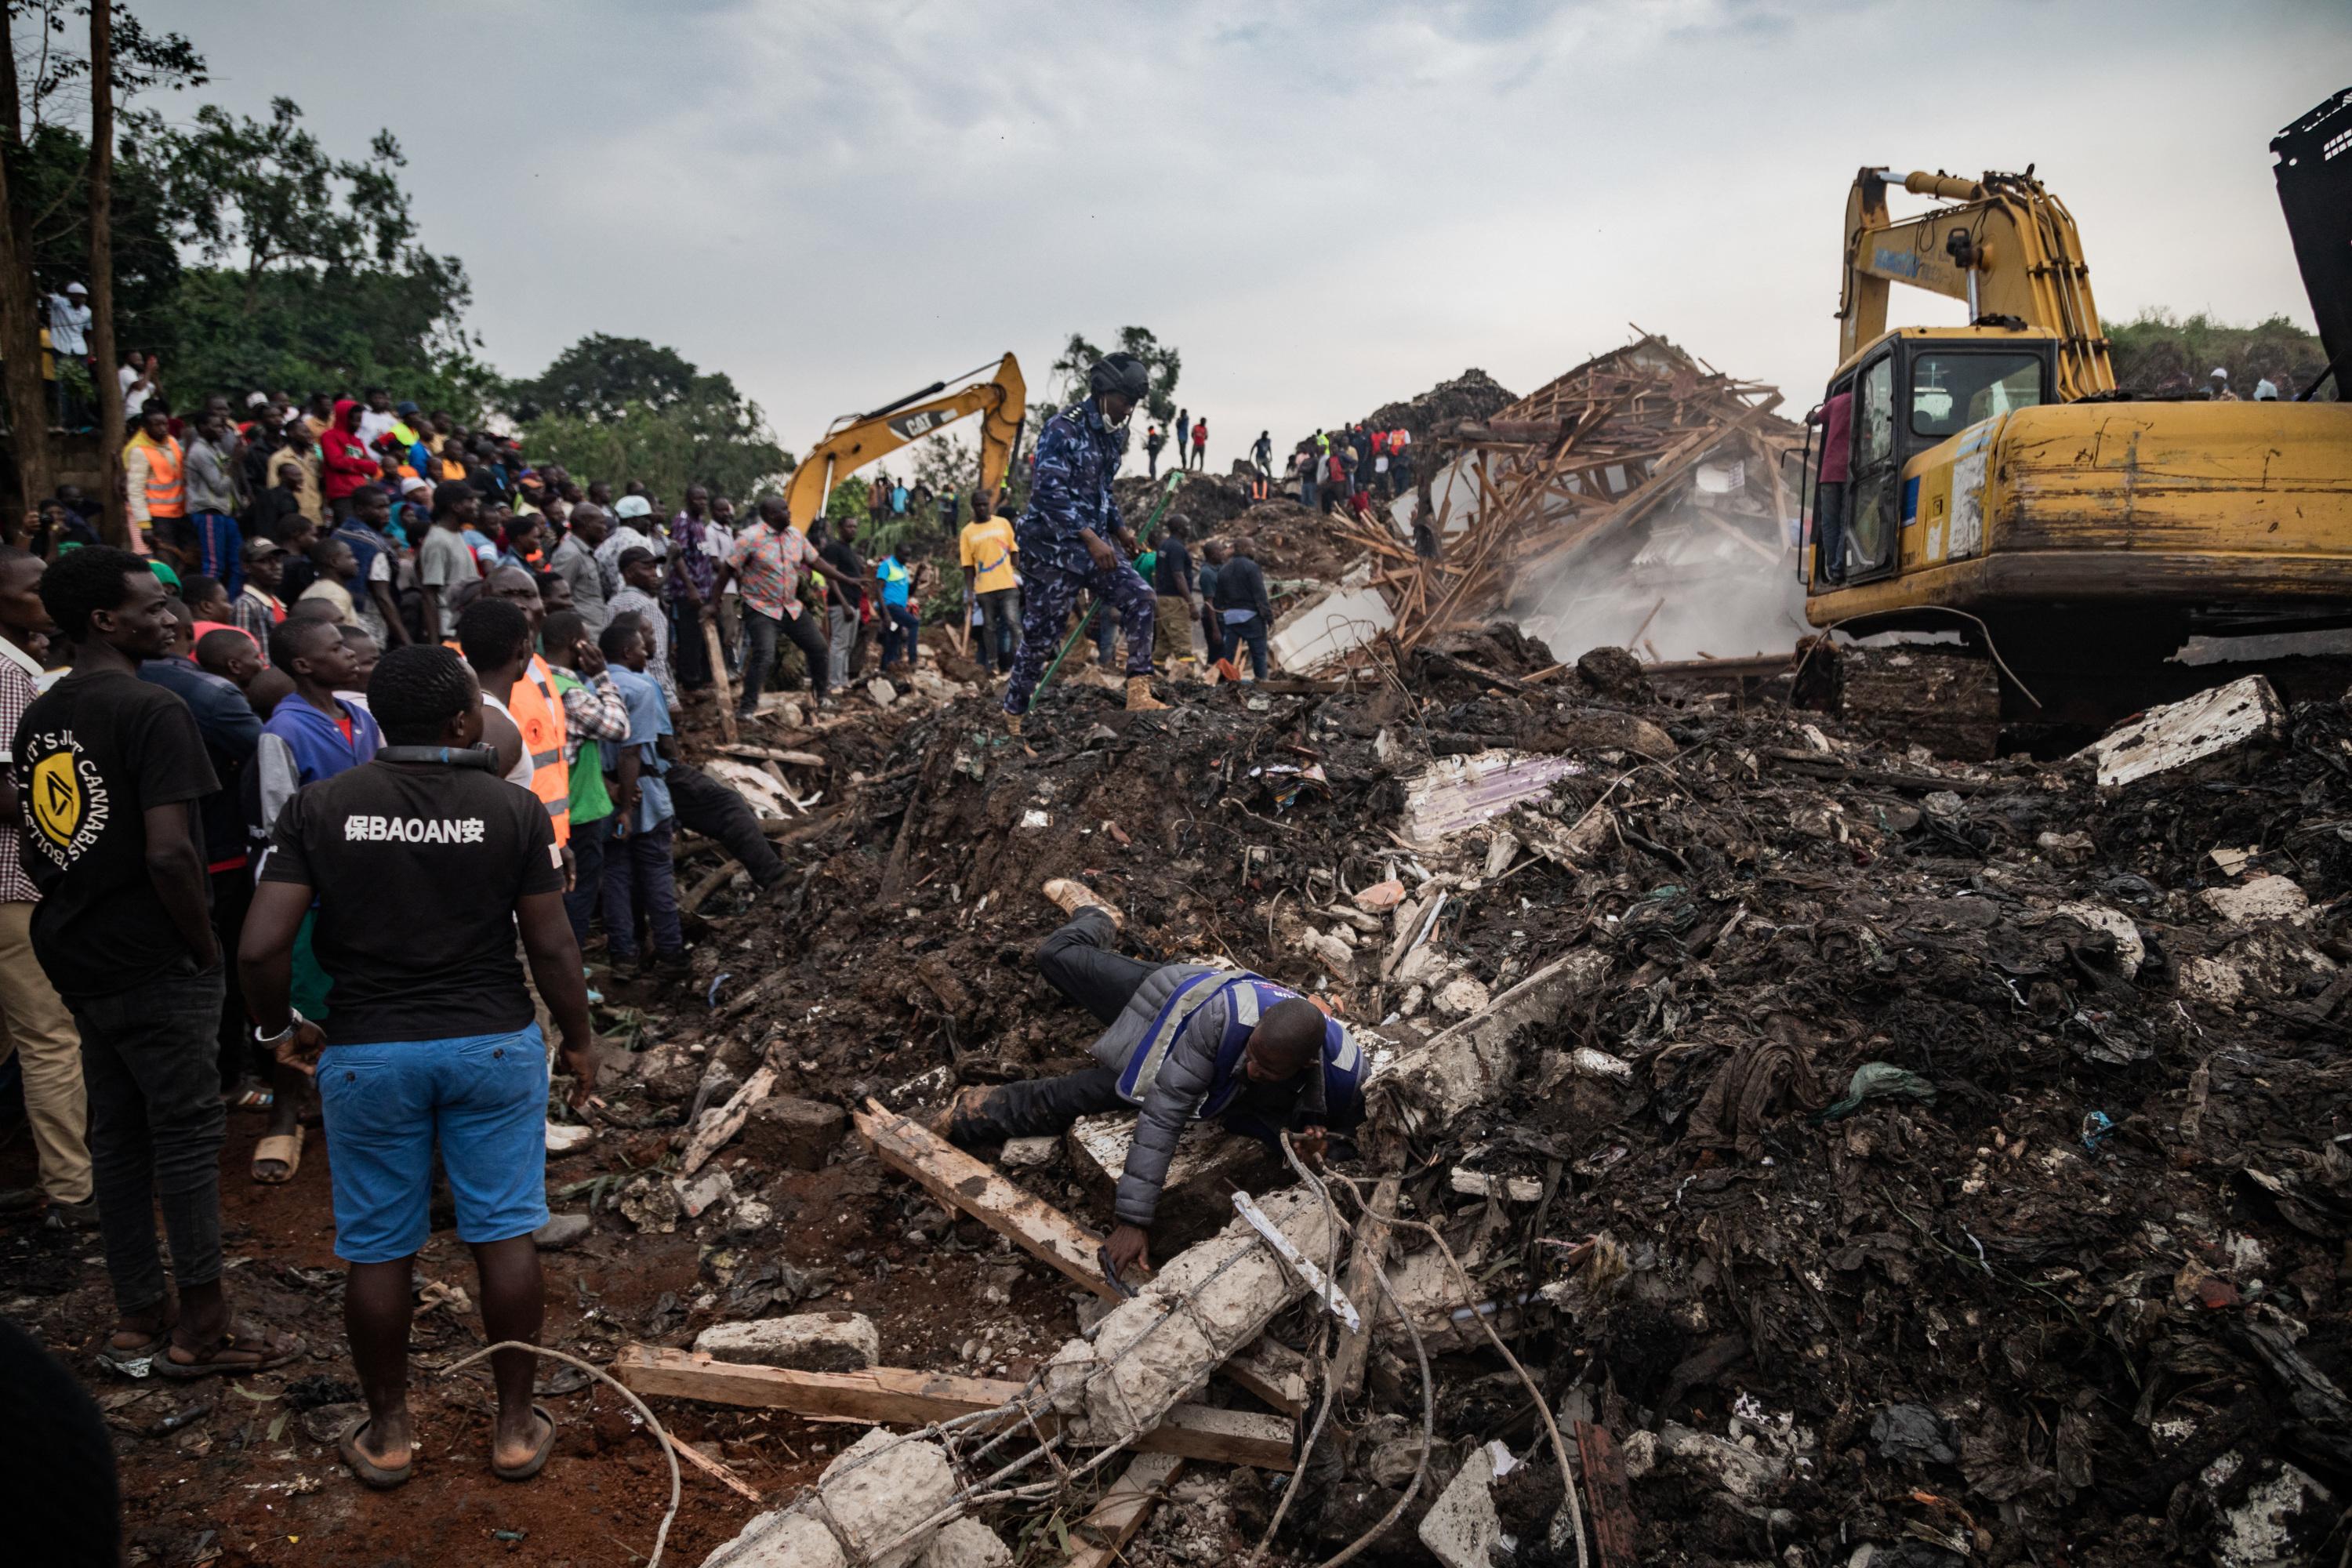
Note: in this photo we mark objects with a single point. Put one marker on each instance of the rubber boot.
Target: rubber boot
(1013, 723)
(1070, 895)
(1139, 696)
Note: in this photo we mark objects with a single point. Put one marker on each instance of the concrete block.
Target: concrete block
(966, 1543)
(781, 1540)
(1027, 1153)
(882, 1485)
(1461, 1528)
(2226, 718)
(1425, 1089)
(805, 1342)
(1209, 1301)
(784, 1132)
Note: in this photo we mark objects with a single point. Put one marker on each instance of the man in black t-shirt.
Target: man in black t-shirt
(109, 769)
(424, 862)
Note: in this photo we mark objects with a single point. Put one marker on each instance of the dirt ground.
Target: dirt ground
(2064, 1287)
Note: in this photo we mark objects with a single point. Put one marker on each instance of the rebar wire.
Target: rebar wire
(669, 1451)
(1543, 1407)
(1991, 646)
(1320, 1364)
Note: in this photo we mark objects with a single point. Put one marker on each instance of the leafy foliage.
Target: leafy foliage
(313, 277)
(601, 377)
(722, 443)
(2159, 352)
(1161, 359)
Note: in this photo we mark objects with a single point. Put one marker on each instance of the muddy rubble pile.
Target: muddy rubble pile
(1473, 395)
(1890, 1160)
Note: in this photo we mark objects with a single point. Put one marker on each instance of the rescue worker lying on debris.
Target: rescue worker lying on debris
(1184, 1042)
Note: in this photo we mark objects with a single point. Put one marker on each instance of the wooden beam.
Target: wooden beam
(901, 1396)
(1112, 1522)
(1369, 1256)
(981, 1191)
(1608, 1504)
(1045, 1233)
(719, 682)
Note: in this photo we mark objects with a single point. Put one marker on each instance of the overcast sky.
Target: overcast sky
(1324, 206)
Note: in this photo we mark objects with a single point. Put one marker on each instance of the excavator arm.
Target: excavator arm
(1001, 400)
(2007, 247)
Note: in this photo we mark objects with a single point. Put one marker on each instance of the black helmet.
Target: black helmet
(1121, 373)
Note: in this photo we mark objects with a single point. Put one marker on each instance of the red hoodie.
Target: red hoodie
(347, 463)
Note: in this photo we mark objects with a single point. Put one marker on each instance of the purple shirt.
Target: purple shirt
(688, 560)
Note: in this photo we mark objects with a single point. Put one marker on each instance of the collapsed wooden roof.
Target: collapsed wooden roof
(1587, 456)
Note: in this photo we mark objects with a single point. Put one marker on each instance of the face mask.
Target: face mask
(1120, 423)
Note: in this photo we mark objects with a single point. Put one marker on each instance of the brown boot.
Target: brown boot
(1072, 895)
(1139, 696)
(1013, 723)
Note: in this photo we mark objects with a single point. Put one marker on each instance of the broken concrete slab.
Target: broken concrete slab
(1322, 632)
(1479, 1184)
(2130, 946)
(1209, 1301)
(1028, 1153)
(2265, 898)
(1454, 794)
(1461, 1528)
(965, 1543)
(2225, 719)
(1426, 1088)
(781, 1540)
(878, 1489)
(808, 1342)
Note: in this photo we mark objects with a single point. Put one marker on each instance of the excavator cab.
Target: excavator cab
(1912, 390)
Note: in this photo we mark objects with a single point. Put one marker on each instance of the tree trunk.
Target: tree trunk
(115, 527)
(20, 321)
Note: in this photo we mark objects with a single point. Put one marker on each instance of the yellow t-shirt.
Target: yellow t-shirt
(988, 548)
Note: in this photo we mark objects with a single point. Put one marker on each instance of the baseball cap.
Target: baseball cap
(633, 506)
(262, 548)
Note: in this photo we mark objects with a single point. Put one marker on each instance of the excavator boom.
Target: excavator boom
(1001, 400)
(2006, 245)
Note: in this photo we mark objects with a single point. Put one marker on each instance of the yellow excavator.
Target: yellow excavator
(1997, 483)
(856, 439)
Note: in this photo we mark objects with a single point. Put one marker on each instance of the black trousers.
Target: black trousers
(715, 811)
(1079, 962)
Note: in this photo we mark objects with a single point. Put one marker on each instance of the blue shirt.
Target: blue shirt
(316, 740)
(1077, 458)
(895, 579)
(648, 721)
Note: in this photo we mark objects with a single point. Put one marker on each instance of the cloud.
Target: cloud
(1323, 205)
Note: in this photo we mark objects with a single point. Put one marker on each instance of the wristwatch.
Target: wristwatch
(294, 1021)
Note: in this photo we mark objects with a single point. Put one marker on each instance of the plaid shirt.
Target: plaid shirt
(593, 710)
(257, 612)
(17, 693)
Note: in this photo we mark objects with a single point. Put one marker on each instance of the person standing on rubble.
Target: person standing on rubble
(1181, 1042)
(1262, 453)
(1065, 535)
(1200, 444)
(424, 866)
(1154, 439)
(1243, 608)
(1836, 420)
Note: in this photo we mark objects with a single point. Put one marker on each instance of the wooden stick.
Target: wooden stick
(718, 673)
(1112, 1522)
(899, 1396)
(1370, 1254)
(721, 1125)
(1608, 1502)
(714, 1470)
(964, 1183)
(708, 886)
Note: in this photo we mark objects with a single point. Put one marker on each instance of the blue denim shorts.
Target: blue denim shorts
(481, 1098)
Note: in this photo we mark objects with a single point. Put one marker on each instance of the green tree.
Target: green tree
(600, 377)
(724, 445)
(1163, 363)
(311, 274)
(2159, 352)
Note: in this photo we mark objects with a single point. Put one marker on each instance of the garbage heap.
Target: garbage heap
(1861, 1159)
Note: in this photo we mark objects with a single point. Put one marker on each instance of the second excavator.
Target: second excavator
(858, 440)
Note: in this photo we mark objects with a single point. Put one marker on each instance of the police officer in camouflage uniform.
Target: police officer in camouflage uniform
(1066, 536)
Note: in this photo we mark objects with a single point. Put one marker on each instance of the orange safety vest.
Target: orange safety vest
(537, 708)
(166, 495)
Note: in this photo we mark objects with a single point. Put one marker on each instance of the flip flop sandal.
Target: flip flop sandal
(286, 1148)
(137, 1361)
(537, 1460)
(347, 1444)
(234, 1340)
